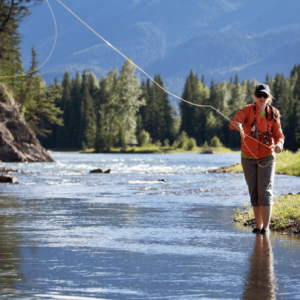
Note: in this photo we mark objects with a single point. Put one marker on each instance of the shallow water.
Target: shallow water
(68, 234)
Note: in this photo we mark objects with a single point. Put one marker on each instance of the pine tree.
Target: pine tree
(100, 141)
(87, 130)
(75, 113)
(139, 126)
(39, 103)
(11, 14)
(193, 118)
(66, 106)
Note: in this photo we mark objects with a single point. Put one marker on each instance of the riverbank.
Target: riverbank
(285, 215)
(151, 149)
(287, 163)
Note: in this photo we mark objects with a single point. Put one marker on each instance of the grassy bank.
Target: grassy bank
(285, 215)
(156, 149)
(287, 163)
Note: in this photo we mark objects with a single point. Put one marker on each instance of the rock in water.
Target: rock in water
(17, 141)
(100, 171)
(8, 179)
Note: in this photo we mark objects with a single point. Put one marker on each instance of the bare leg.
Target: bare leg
(258, 216)
(266, 212)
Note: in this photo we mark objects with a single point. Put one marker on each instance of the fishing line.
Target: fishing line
(198, 105)
(23, 74)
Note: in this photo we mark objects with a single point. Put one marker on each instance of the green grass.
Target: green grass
(156, 149)
(287, 163)
(285, 214)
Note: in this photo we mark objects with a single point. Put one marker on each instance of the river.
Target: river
(68, 234)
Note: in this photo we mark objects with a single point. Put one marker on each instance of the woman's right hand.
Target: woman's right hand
(239, 127)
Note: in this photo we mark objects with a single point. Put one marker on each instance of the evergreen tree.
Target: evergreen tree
(75, 113)
(11, 14)
(87, 132)
(166, 114)
(66, 106)
(158, 113)
(39, 107)
(100, 142)
(193, 118)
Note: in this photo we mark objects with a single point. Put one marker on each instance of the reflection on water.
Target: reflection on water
(10, 256)
(261, 281)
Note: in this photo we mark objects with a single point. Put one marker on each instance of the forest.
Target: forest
(118, 110)
(122, 109)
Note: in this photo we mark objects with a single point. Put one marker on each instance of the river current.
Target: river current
(157, 227)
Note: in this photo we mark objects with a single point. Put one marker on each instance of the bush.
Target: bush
(215, 142)
(166, 143)
(144, 138)
(205, 145)
(192, 144)
(175, 145)
(158, 143)
(182, 140)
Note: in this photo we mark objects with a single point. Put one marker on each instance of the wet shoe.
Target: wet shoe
(256, 230)
(265, 231)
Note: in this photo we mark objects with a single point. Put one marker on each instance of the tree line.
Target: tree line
(119, 110)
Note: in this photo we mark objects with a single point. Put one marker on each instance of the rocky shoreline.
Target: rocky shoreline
(17, 142)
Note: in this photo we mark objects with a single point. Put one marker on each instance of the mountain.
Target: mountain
(216, 38)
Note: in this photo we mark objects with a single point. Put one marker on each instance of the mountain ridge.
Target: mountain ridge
(217, 38)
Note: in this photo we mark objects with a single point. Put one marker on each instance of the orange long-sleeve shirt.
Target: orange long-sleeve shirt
(250, 147)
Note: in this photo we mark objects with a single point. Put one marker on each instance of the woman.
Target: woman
(261, 133)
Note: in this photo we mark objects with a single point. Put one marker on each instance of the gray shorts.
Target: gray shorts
(260, 180)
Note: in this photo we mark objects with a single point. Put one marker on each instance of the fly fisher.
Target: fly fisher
(261, 134)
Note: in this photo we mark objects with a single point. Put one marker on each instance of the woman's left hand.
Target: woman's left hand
(278, 148)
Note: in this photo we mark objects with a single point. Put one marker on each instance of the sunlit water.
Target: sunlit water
(68, 234)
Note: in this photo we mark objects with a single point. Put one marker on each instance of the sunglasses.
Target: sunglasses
(259, 95)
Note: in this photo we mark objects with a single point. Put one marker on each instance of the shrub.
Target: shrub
(192, 144)
(183, 140)
(215, 142)
(158, 143)
(166, 143)
(144, 138)
(175, 145)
